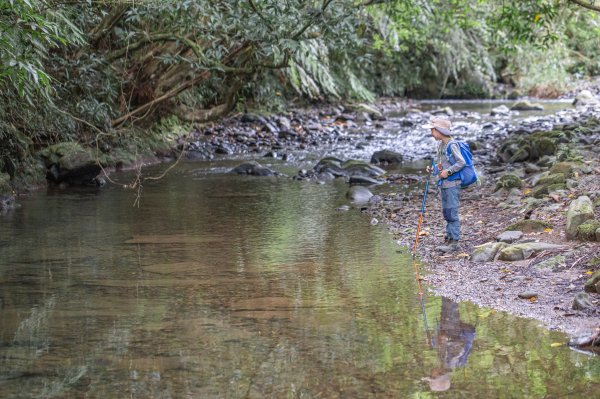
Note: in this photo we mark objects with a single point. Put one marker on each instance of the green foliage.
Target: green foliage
(70, 70)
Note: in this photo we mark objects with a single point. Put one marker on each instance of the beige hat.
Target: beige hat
(442, 125)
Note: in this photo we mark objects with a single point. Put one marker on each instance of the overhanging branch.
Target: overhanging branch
(589, 5)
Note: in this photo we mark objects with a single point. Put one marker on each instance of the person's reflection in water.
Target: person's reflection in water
(453, 341)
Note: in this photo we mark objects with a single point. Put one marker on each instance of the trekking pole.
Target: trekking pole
(420, 222)
(414, 255)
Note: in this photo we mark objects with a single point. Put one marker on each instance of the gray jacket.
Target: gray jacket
(445, 161)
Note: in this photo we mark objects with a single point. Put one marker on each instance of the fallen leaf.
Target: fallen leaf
(423, 234)
(548, 230)
(463, 255)
(555, 344)
(527, 191)
(533, 299)
(589, 272)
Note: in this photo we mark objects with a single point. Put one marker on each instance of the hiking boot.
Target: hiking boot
(452, 246)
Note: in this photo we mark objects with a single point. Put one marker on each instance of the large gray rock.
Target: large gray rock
(552, 263)
(584, 98)
(253, 168)
(70, 163)
(486, 252)
(582, 301)
(386, 157)
(590, 285)
(525, 250)
(527, 106)
(359, 194)
(580, 210)
(501, 110)
(509, 236)
(361, 168)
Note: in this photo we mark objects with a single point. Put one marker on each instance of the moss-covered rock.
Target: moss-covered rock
(71, 163)
(509, 181)
(587, 230)
(526, 105)
(539, 191)
(555, 178)
(566, 168)
(590, 285)
(525, 250)
(529, 226)
(486, 252)
(556, 187)
(531, 147)
(580, 211)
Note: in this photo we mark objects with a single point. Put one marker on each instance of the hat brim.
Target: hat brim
(443, 131)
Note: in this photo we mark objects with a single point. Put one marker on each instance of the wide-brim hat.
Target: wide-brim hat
(442, 125)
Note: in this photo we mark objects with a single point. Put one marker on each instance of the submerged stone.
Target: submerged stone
(359, 194)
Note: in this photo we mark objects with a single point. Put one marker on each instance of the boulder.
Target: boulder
(585, 98)
(529, 226)
(486, 252)
(525, 250)
(580, 211)
(555, 178)
(582, 301)
(509, 181)
(530, 147)
(587, 230)
(526, 106)
(70, 163)
(589, 341)
(509, 236)
(566, 168)
(361, 168)
(359, 194)
(552, 263)
(386, 157)
(253, 168)
(501, 110)
(591, 284)
(358, 179)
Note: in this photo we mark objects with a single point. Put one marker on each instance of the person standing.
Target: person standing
(449, 162)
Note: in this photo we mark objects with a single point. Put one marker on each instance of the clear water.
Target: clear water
(220, 286)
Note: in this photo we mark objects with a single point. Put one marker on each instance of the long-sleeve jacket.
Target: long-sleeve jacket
(444, 160)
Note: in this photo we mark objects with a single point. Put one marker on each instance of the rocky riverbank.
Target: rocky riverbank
(530, 233)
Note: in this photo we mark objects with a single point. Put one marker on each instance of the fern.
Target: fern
(309, 72)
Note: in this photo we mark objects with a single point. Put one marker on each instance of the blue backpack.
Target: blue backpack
(467, 174)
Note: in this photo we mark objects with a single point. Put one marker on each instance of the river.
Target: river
(220, 286)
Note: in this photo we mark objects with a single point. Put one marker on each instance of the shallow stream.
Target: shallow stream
(221, 286)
